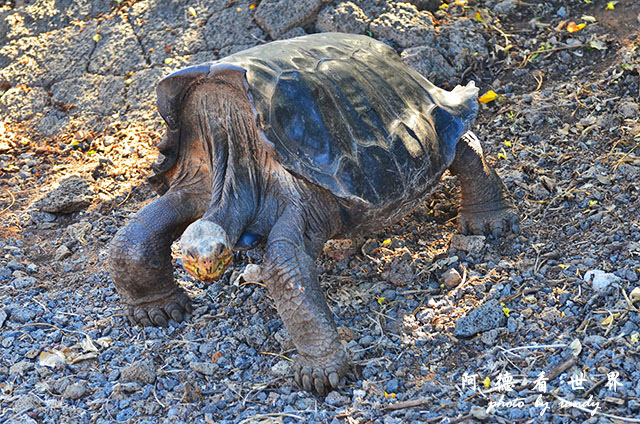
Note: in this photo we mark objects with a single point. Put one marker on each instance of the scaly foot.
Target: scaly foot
(500, 219)
(159, 312)
(322, 374)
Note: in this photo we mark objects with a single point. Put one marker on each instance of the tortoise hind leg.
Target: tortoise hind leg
(140, 261)
(486, 206)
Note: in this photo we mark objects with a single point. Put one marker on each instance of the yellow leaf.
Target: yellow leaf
(387, 242)
(443, 6)
(487, 97)
(461, 2)
(239, 9)
(253, 6)
(501, 156)
(192, 11)
(391, 395)
(380, 300)
(486, 382)
(635, 337)
(506, 311)
(572, 27)
(611, 5)
(97, 38)
(507, 143)
(593, 203)
(478, 16)
(609, 320)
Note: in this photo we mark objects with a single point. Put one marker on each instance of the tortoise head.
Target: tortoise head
(206, 251)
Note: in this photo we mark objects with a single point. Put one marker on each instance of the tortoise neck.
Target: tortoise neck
(230, 136)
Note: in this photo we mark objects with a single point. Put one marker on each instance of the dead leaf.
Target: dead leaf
(598, 44)
(105, 341)
(87, 345)
(576, 347)
(72, 359)
(635, 295)
(51, 358)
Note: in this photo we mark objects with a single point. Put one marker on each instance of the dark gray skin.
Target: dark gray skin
(226, 180)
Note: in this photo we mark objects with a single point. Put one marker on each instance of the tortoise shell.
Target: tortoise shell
(342, 111)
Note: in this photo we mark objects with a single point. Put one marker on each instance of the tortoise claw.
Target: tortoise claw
(319, 386)
(158, 317)
(321, 376)
(140, 316)
(306, 382)
(334, 380)
(185, 302)
(175, 312)
(492, 223)
(158, 313)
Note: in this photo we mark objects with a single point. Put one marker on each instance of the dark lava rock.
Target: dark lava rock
(73, 194)
(483, 318)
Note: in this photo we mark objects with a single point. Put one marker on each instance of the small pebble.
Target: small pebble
(139, 372)
(451, 278)
(21, 368)
(282, 368)
(62, 252)
(206, 368)
(599, 279)
(75, 390)
(334, 398)
(469, 244)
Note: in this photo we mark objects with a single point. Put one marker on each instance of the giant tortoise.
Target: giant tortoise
(293, 143)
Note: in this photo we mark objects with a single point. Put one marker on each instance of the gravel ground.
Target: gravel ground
(443, 328)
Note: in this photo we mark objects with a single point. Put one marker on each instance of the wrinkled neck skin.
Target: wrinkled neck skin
(243, 193)
(249, 188)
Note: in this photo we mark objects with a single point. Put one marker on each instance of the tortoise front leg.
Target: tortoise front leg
(486, 206)
(291, 278)
(140, 261)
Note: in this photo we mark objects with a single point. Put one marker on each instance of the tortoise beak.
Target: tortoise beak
(208, 269)
(205, 252)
